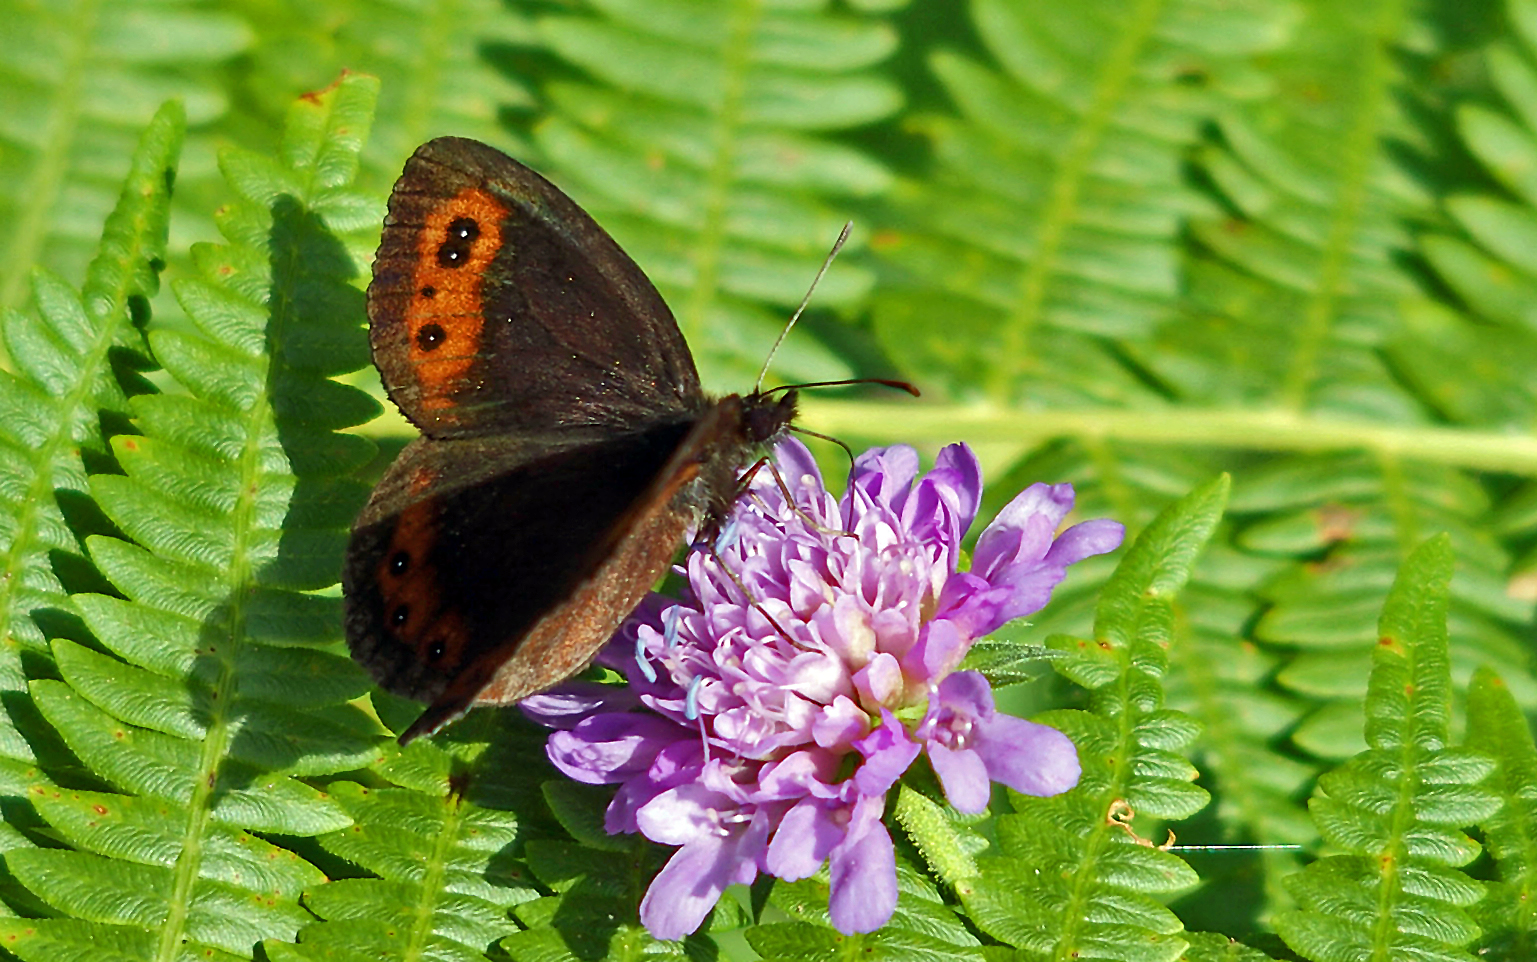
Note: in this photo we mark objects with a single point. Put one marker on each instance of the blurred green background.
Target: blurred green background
(1123, 243)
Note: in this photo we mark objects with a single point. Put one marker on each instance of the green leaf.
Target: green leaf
(1096, 899)
(579, 808)
(195, 759)
(150, 832)
(71, 357)
(1209, 947)
(1395, 809)
(120, 892)
(804, 940)
(1497, 726)
(1006, 662)
(440, 881)
(923, 923)
(702, 144)
(442, 830)
(1057, 215)
(82, 80)
(55, 940)
(67, 357)
(932, 828)
(1134, 617)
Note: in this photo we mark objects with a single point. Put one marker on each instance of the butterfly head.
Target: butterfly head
(766, 415)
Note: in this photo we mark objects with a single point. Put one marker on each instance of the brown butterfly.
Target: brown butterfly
(566, 450)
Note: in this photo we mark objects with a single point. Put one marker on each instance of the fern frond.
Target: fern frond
(443, 69)
(1506, 914)
(1307, 288)
(1208, 947)
(452, 835)
(1334, 529)
(1243, 754)
(76, 359)
(1311, 266)
(1490, 266)
(73, 360)
(1321, 612)
(923, 927)
(236, 502)
(1395, 809)
(80, 79)
(1484, 257)
(1068, 879)
(1057, 216)
(703, 145)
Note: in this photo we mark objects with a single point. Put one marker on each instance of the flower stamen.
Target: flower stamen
(641, 660)
(691, 700)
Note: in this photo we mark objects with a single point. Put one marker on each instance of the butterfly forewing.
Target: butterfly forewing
(498, 305)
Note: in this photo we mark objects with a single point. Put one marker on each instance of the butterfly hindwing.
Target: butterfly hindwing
(491, 538)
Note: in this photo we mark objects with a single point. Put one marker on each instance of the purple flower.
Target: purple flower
(970, 744)
(770, 711)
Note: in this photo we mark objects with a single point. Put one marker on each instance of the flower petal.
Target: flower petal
(888, 752)
(682, 815)
(562, 708)
(940, 650)
(880, 681)
(691, 882)
(801, 773)
(1031, 758)
(967, 693)
(677, 764)
(965, 471)
(886, 474)
(805, 836)
(839, 724)
(963, 776)
(864, 872)
(1085, 539)
(610, 747)
(685, 890)
(797, 467)
(1024, 541)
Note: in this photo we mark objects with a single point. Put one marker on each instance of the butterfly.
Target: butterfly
(566, 445)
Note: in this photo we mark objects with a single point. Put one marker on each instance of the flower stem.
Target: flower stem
(1252, 430)
(935, 836)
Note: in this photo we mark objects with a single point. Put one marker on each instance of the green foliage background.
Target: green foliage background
(1130, 244)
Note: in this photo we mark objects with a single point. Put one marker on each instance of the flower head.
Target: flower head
(770, 711)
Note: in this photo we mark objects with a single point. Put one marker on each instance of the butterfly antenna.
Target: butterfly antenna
(849, 521)
(797, 429)
(846, 382)
(843, 237)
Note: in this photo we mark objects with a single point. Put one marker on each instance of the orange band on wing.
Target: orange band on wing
(410, 593)
(446, 318)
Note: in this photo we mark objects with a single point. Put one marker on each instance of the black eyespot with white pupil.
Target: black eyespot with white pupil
(436, 651)
(430, 337)
(399, 562)
(399, 616)
(455, 250)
